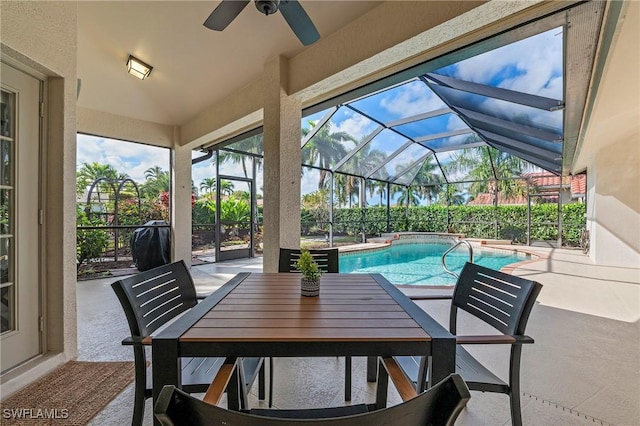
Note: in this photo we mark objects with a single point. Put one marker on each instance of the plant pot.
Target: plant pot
(310, 286)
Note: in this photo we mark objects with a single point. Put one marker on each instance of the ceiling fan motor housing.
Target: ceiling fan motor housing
(267, 7)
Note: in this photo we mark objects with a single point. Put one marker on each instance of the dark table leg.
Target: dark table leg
(443, 360)
(166, 366)
(372, 369)
(382, 386)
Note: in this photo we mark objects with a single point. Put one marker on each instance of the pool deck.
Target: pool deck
(583, 369)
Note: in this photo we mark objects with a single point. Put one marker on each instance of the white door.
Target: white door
(20, 337)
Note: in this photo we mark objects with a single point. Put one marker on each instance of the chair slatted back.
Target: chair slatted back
(438, 406)
(327, 259)
(153, 297)
(504, 301)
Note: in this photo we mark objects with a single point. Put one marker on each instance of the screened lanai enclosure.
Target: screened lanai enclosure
(479, 142)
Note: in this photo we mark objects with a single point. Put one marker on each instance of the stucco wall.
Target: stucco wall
(42, 35)
(615, 221)
(611, 148)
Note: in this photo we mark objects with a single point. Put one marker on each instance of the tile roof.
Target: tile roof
(578, 185)
(544, 182)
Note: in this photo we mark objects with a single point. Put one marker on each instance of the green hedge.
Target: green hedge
(472, 221)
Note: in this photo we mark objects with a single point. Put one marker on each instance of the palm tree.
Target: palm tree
(226, 187)
(409, 197)
(427, 180)
(153, 173)
(490, 170)
(157, 182)
(253, 144)
(372, 187)
(346, 187)
(326, 148)
(451, 195)
(208, 186)
(90, 172)
(381, 187)
(235, 158)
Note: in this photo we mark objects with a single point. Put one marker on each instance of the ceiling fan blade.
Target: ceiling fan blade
(226, 12)
(299, 21)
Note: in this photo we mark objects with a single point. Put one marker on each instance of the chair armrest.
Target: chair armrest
(220, 381)
(520, 339)
(432, 297)
(492, 339)
(162, 405)
(137, 341)
(405, 387)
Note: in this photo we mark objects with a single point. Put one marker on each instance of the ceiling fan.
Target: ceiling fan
(291, 10)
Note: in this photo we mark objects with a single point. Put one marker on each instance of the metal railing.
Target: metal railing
(450, 249)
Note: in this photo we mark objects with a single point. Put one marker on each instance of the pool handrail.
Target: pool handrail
(450, 249)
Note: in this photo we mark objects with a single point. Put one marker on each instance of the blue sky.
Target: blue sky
(127, 157)
(533, 65)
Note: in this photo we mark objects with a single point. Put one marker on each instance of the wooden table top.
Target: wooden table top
(269, 307)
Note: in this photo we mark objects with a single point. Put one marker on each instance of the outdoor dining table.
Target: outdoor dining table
(265, 315)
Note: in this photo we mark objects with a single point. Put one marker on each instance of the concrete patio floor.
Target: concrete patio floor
(584, 367)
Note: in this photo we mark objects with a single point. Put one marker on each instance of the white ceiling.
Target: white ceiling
(193, 67)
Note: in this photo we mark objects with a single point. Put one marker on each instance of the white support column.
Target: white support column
(282, 164)
(181, 205)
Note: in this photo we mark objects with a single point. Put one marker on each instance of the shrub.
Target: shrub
(90, 243)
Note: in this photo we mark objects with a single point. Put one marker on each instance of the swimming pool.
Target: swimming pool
(420, 263)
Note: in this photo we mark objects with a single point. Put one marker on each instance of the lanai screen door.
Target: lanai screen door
(235, 218)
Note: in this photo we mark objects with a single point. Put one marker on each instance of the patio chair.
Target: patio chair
(152, 298)
(327, 260)
(504, 302)
(438, 406)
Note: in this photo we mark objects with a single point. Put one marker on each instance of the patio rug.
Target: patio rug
(70, 395)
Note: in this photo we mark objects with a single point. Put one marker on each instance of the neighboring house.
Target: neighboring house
(573, 189)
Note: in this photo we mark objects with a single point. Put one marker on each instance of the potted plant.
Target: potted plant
(310, 281)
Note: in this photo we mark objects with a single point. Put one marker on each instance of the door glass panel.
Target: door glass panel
(6, 114)
(5, 163)
(5, 260)
(7, 292)
(5, 211)
(6, 304)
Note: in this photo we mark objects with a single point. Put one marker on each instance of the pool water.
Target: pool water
(420, 263)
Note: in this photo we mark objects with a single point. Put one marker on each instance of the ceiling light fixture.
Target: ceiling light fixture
(138, 68)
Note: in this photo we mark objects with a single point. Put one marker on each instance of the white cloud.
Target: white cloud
(357, 126)
(411, 99)
(536, 65)
(309, 180)
(126, 157)
(307, 187)
(535, 116)
(455, 123)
